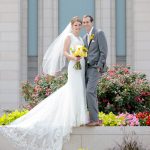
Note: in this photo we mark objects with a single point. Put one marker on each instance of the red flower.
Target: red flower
(148, 121)
(105, 100)
(140, 115)
(145, 93)
(144, 117)
(126, 70)
(139, 99)
(111, 72)
(36, 79)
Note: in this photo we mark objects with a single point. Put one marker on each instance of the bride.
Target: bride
(50, 123)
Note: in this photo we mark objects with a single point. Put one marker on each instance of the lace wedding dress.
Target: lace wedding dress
(50, 123)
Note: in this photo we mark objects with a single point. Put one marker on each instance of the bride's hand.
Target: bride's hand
(77, 59)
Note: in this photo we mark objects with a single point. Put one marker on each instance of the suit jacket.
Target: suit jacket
(97, 49)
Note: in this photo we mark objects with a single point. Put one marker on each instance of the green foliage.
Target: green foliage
(6, 119)
(119, 90)
(122, 90)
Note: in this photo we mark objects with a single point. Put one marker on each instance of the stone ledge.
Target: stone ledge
(97, 138)
(103, 138)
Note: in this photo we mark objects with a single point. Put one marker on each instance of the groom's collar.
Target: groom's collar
(90, 31)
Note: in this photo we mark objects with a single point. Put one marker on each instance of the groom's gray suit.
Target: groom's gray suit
(97, 53)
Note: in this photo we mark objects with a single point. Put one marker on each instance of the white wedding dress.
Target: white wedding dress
(50, 123)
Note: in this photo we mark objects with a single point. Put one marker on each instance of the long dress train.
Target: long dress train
(50, 123)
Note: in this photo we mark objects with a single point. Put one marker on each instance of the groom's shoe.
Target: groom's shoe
(95, 123)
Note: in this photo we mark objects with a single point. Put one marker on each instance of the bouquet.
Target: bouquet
(79, 51)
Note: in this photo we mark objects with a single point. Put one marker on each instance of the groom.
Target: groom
(96, 43)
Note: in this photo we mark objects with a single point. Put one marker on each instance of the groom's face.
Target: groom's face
(87, 23)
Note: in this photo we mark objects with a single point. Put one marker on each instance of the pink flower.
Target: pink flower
(108, 78)
(37, 88)
(36, 79)
(111, 72)
(129, 116)
(126, 70)
(48, 92)
(132, 124)
(137, 122)
(122, 115)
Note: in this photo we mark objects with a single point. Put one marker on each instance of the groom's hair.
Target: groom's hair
(91, 18)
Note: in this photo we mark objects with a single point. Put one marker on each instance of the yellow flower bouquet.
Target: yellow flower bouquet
(79, 51)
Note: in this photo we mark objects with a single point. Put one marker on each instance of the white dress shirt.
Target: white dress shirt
(89, 34)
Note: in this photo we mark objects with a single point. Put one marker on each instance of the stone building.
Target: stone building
(27, 27)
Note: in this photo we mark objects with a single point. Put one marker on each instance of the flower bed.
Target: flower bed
(125, 119)
(139, 119)
(123, 95)
(119, 90)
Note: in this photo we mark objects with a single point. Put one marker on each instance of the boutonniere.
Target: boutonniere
(91, 37)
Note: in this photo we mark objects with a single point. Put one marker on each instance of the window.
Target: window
(68, 9)
(121, 31)
(32, 39)
(32, 27)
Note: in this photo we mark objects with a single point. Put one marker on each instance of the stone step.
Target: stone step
(97, 138)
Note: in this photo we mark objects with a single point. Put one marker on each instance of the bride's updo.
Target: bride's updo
(75, 19)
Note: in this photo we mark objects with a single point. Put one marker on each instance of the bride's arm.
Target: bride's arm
(66, 49)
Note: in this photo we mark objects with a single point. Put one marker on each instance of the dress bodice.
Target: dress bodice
(75, 40)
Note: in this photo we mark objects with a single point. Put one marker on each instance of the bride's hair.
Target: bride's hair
(75, 19)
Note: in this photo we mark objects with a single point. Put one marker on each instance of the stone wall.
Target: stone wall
(9, 53)
(105, 138)
(141, 31)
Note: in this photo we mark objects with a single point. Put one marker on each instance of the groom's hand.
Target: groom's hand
(99, 69)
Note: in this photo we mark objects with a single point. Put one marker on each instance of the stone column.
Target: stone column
(129, 33)
(10, 53)
(48, 27)
(105, 20)
(141, 26)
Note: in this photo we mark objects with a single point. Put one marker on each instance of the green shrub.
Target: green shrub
(42, 87)
(119, 90)
(122, 90)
